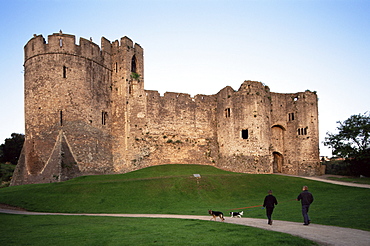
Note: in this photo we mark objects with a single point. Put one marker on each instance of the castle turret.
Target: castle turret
(129, 101)
(67, 100)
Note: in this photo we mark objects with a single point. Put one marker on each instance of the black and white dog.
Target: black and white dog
(236, 214)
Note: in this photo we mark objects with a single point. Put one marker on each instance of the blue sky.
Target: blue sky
(199, 47)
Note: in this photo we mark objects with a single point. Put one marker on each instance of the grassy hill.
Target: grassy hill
(172, 189)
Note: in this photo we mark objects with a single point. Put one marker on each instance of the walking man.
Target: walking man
(269, 203)
(306, 199)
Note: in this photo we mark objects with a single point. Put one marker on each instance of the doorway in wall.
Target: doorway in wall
(278, 162)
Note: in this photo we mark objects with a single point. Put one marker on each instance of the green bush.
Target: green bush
(6, 172)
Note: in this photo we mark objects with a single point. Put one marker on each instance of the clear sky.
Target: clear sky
(201, 46)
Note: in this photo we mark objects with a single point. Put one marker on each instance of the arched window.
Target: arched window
(133, 64)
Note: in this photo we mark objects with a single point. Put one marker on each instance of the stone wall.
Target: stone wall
(87, 112)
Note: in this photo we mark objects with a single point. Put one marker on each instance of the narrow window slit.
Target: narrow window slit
(61, 117)
(64, 72)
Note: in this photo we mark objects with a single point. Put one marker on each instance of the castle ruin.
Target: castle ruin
(87, 112)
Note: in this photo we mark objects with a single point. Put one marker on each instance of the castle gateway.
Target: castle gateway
(87, 112)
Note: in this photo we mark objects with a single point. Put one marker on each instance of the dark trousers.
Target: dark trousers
(306, 218)
(269, 213)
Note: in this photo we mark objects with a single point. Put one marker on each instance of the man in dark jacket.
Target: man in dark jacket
(306, 199)
(269, 203)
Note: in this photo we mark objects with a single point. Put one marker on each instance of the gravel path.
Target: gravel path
(324, 235)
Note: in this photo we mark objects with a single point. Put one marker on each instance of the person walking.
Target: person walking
(269, 203)
(306, 199)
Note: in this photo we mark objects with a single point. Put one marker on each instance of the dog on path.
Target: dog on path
(236, 214)
(216, 214)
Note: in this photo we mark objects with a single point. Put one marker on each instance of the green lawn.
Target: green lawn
(172, 189)
(84, 230)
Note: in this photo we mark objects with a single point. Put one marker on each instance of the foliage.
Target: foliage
(6, 172)
(353, 142)
(87, 230)
(173, 189)
(11, 149)
(338, 167)
(135, 76)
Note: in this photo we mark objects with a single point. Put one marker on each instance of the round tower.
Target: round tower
(67, 108)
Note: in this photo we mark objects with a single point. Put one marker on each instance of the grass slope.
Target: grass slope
(172, 189)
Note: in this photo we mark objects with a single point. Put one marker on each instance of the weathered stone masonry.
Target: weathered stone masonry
(87, 112)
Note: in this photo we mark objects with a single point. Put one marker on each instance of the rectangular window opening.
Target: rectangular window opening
(104, 117)
(291, 116)
(302, 131)
(245, 134)
(227, 112)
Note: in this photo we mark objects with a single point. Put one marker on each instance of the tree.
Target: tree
(352, 142)
(11, 149)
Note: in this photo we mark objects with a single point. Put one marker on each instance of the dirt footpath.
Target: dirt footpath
(323, 235)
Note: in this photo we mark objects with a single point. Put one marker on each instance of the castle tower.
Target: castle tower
(294, 140)
(67, 100)
(128, 101)
(244, 127)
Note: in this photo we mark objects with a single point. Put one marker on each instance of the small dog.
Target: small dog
(236, 214)
(216, 214)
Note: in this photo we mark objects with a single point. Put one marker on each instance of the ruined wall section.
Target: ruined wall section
(66, 89)
(180, 130)
(297, 113)
(128, 101)
(243, 128)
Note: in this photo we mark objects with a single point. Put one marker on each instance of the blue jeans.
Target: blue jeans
(306, 218)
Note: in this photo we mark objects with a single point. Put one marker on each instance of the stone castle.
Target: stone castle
(87, 112)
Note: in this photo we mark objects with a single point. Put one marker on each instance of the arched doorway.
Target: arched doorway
(278, 162)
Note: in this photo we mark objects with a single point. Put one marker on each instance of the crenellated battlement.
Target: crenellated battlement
(60, 43)
(125, 44)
